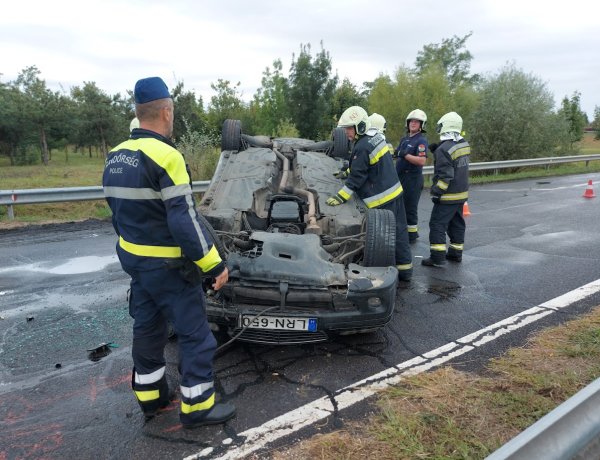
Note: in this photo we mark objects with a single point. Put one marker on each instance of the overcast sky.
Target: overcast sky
(114, 43)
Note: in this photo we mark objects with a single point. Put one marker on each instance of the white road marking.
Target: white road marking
(259, 437)
(530, 189)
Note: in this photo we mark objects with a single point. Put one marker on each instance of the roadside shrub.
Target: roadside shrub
(27, 154)
(201, 152)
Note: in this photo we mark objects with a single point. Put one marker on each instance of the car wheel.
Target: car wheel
(341, 144)
(231, 135)
(213, 234)
(380, 238)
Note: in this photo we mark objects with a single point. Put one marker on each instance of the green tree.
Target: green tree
(97, 117)
(40, 106)
(270, 105)
(452, 57)
(311, 89)
(576, 120)
(189, 112)
(596, 121)
(14, 129)
(515, 118)
(227, 103)
(345, 95)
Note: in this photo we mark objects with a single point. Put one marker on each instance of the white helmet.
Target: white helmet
(451, 122)
(378, 122)
(135, 123)
(417, 114)
(355, 116)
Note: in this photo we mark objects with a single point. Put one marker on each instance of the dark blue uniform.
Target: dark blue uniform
(411, 177)
(372, 177)
(148, 188)
(449, 191)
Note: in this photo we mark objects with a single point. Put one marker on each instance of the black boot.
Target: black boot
(412, 237)
(405, 275)
(454, 256)
(219, 413)
(436, 259)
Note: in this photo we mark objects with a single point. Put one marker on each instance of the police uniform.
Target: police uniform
(411, 178)
(373, 178)
(147, 186)
(449, 191)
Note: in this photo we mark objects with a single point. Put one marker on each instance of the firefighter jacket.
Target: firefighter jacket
(451, 171)
(372, 174)
(413, 145)
(147, 186)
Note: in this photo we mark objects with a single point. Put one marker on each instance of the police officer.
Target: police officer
(372, 177)
(448, 192)
(165, 249)
(412, 154)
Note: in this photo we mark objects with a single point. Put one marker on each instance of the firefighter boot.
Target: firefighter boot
(152, 396)
(404, 272)
(436, 259)
(219, 413)
(454, 255)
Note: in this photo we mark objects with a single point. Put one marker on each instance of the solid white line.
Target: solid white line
(259, 437)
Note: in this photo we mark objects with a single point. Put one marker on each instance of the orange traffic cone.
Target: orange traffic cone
(589, 191)
(466, 211)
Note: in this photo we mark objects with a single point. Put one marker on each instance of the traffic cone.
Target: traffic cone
(466, 211)
(589, 191)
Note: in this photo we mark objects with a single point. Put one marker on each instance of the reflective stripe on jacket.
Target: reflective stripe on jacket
(372, 174)
(148, 188)
(451, 170)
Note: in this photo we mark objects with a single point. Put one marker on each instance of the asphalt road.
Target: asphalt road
(62, 293)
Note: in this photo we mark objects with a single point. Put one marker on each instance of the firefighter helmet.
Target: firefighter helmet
(355, 116)
(417, 114)
(135, 123)
(451, 122)
(378, 122)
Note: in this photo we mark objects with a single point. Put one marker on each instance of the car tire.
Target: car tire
(341, 144)
(213, 234)
(380, 238)
(231, 135)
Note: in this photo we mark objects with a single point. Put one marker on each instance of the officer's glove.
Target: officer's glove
(335, 200)
(435, 190)
(341, 174)
(432, 147)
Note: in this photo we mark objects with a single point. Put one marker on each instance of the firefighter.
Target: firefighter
(166, 251)
(412, 154)
(449, 191)
(135, 123)
(372, 177)
(378, 122)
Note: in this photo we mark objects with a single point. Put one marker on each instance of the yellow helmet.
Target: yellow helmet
(378, 122)
(451, 122)
(355, 116)
(417, 114)
(135, 123)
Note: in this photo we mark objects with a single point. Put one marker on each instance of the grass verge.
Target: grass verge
(449, 414)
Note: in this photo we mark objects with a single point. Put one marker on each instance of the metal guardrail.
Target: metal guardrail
(570, 431)
(53, 195)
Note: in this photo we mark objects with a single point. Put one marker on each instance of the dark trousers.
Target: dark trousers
(446, 219)
(161, 295)
(403, 254)
(412, 183)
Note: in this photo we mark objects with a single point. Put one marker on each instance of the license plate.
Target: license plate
(278, 322)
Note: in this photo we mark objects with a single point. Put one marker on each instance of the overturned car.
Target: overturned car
(300, 271)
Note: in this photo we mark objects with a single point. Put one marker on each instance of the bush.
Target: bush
(200, 151)
(27, 154)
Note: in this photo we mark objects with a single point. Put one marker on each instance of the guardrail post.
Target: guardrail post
(11, 212)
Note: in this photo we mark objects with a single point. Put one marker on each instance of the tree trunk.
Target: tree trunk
(11, 154)
(103, 141)
(90, 150)
(44, 145)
